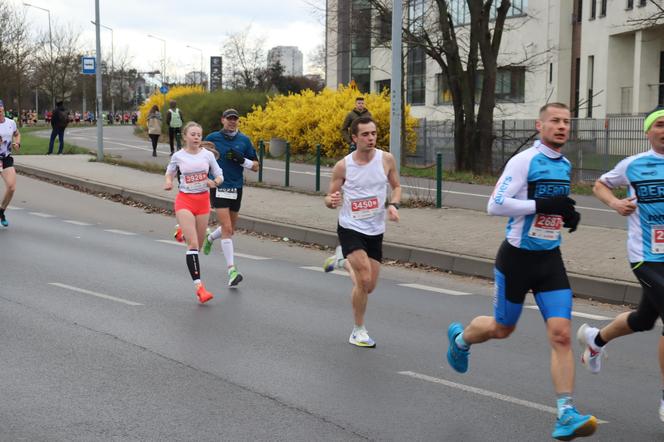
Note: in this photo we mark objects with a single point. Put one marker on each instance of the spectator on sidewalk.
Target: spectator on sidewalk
(174, 120)
(154, 127)
(59, 121)
(359, 111)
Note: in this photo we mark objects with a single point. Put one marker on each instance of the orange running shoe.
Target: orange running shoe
(203, 295)
(177, 235)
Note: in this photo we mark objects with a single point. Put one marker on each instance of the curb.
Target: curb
(600, 289)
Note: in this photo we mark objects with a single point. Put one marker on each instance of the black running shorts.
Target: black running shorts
(352, 240)
(226, 199)
(7, 162)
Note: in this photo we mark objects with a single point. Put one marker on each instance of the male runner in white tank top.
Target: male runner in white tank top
(359, 187)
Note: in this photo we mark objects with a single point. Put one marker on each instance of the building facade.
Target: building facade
(290, 57)
(597, 56)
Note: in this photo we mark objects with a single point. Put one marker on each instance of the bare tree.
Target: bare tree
(57, 73)
(244, 57)
(656, 18)
(20, 47)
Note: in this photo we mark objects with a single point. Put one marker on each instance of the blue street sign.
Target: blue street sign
(89, 65)
(163, 89)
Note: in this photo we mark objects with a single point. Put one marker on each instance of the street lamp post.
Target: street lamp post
(163, 62)
(50, 43)
(110, 85)
(201, 71)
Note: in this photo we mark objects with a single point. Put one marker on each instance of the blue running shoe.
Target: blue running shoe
(572, 424)
(3, 219)
(457, 357)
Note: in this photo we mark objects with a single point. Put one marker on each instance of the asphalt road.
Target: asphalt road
(120, 140)
(103, 339)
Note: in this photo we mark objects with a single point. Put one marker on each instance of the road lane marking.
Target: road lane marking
(14, 208)
(41, 215)
(76, 223)
(320, 269)
(435, 289)
(91, 293)
(577, 314)
(120, 232)
(254, 257)
(238, 255)
(168, 241)
(486, 393)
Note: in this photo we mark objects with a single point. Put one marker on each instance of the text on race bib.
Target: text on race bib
(227, 194)
(546, 227)
(657, 240)
(194, 182)
(363, 208)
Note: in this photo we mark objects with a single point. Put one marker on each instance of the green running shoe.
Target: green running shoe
(207, 244)
(234, 277)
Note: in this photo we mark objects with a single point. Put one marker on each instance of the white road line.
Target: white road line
(435, 289)
(577, 314)
(119, 232)
(41, 215)
(320, 269)
(98, 295)
(487, 393)
(173, 243)
(254, 257)
(14, 208)
(238, 255)
(76, 223)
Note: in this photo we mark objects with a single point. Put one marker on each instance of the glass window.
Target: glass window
(510, 86)
(384, 23)
(593, 9)
(630, 4)
(416, 76)
(458, 9)
(381, 85)
(360, 46)
(602, 11)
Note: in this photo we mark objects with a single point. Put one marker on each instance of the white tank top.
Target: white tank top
(364, 194)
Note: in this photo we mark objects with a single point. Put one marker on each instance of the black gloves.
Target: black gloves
(560, 205)
(235, 156)
(572, 222)
(557, 205)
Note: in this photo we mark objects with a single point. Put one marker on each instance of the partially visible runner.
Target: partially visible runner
(10, 139)
(359, 186)
(236, 153)
(533, 191)
(643, 174)
(192, 208)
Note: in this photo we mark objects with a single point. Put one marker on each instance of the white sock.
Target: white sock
(359, 327)
(216, 234)
(227, 248)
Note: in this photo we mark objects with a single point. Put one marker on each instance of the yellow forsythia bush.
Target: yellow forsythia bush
(162, 100)
(308, 118)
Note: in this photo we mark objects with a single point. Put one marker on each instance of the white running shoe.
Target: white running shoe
(661, 410)
(360, 338)
(591, 358)
(335, 261)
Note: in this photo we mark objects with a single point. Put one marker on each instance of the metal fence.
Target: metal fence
(594, 146)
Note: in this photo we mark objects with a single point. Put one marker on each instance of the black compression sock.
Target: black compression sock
(599, 341)
(193, 265)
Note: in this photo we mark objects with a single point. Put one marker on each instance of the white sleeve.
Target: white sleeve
(502, 201)
(215, 170)
(616, 177)
(172, 167)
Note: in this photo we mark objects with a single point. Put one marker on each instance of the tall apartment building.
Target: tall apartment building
(593, 55)
(290, 58)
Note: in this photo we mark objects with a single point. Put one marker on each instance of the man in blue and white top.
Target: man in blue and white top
(533, 191)
(643, 174)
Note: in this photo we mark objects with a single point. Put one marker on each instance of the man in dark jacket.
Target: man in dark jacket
(59, 122)
(359, 111)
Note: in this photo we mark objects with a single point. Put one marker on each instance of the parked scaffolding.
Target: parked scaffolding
(595, 145)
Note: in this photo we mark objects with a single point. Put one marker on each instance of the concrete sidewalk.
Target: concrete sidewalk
(458, 240)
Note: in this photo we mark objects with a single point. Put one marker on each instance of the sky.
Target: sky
(202, 24)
